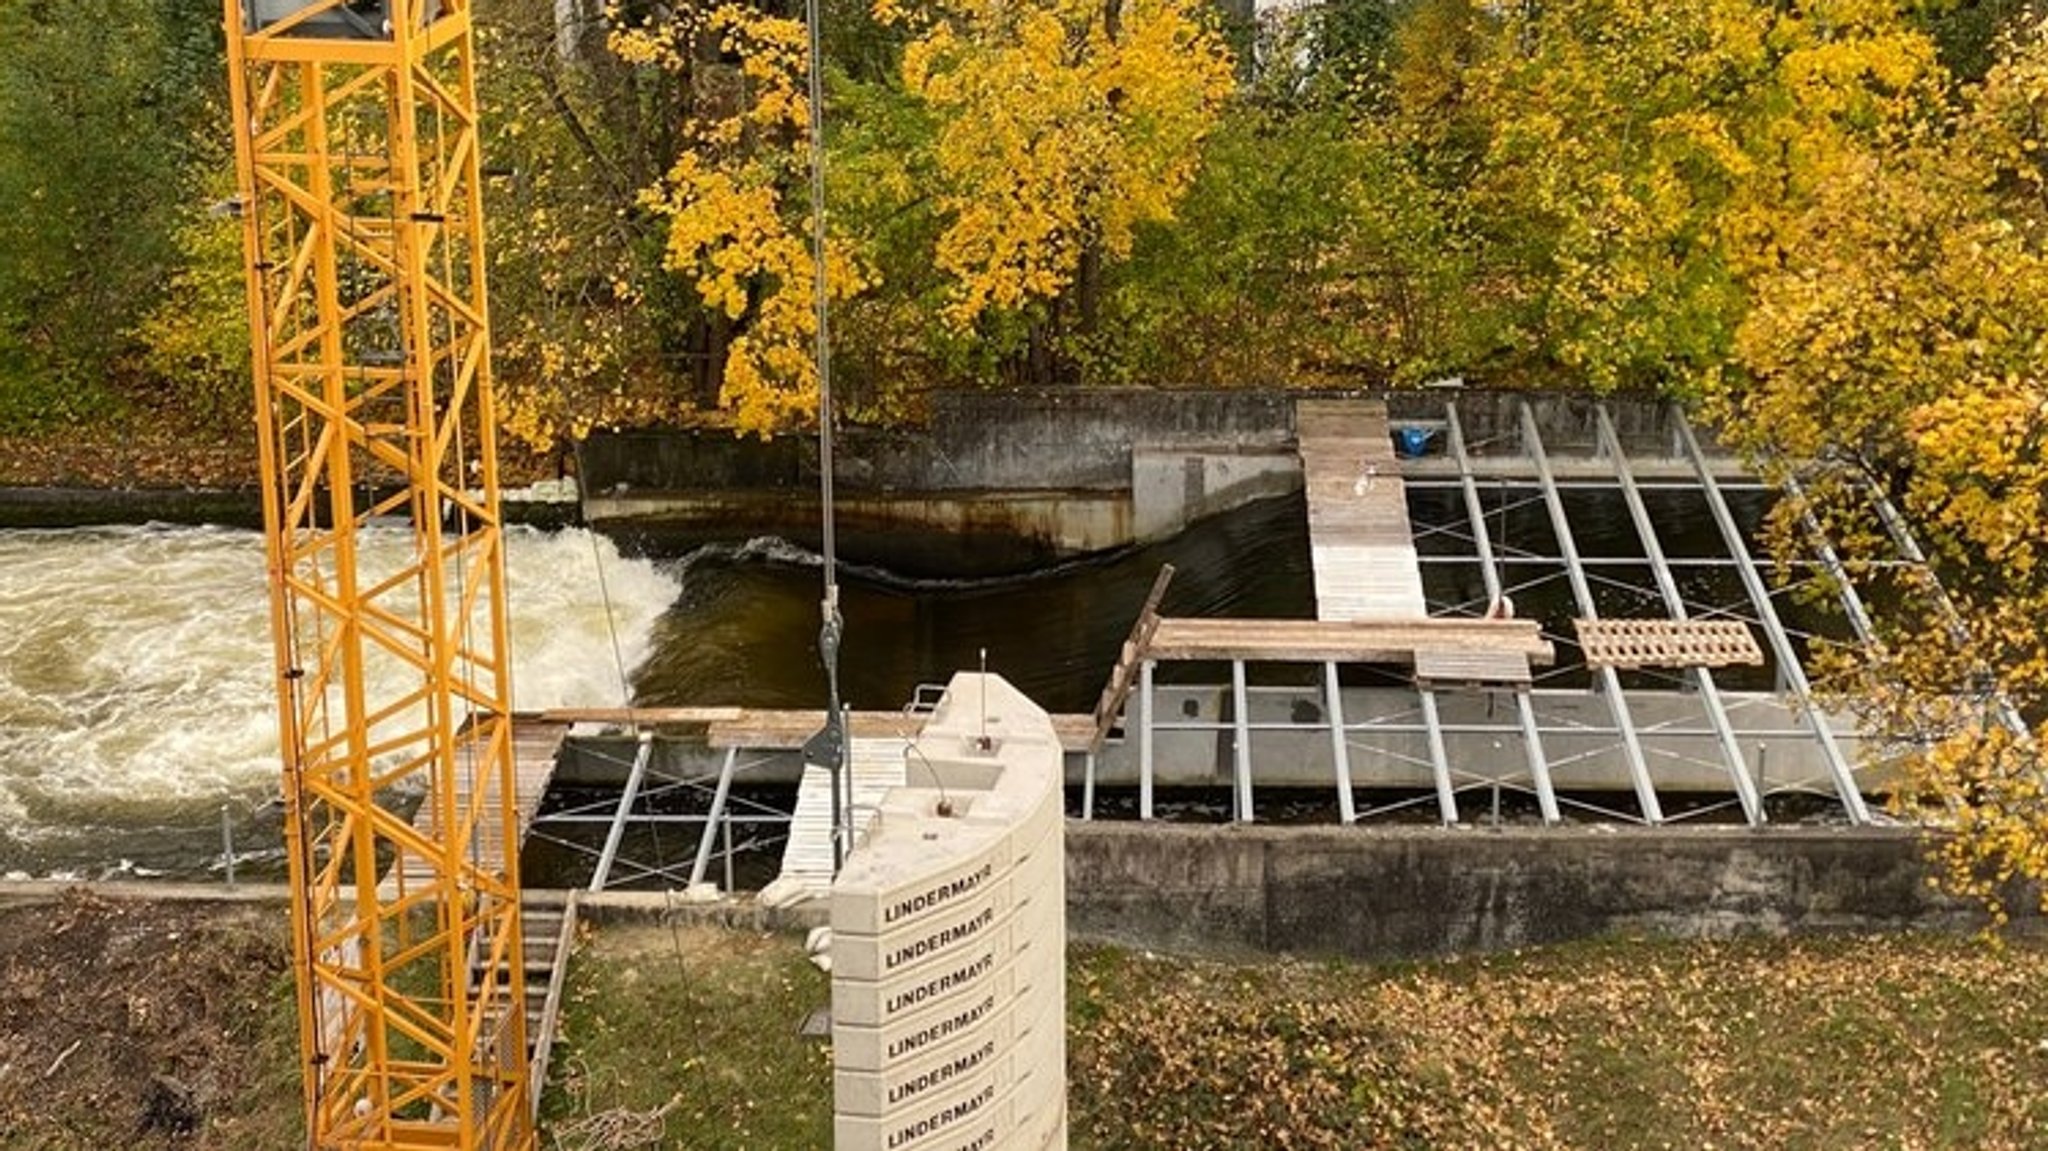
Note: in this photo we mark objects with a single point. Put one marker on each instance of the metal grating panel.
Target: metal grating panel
(1640, 643)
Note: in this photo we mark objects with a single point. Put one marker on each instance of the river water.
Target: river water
(137, 696)
(136, 701)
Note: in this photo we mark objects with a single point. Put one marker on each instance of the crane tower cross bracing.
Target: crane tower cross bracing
(355, 124)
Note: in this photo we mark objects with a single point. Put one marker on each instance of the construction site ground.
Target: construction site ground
(148, 1024)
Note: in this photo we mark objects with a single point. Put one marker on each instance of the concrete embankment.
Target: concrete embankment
(1401, 893)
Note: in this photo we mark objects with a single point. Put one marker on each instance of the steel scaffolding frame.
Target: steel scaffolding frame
(1525, 482)
(613, 867)
(1726, 732)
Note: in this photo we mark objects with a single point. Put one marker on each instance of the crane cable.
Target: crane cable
(834, 738)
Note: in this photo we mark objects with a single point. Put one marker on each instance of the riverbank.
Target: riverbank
(135, 457)
(84, 477)
(177, 1022)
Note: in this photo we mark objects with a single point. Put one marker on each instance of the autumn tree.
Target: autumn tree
(1895, 356)
(589, 329)
(103, 110)
(1061, 126)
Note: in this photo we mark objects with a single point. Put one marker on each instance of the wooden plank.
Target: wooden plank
(648, 716)
(1360, 540)
(1441, 667)
(759, 730)
(877, 766)
(1667, 643)
(1344, 641)
(535, 746)
(1121, 676)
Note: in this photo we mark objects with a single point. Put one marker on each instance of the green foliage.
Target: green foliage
(194, 344)
(1244, 286)
(102, 108)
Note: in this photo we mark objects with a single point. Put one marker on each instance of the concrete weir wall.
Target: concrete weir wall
(1007, 478)
(1397, 893)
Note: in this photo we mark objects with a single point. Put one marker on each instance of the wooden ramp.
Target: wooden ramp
(877, 765)
(1359, 538)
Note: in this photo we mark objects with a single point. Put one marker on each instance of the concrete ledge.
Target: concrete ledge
(1397, 893)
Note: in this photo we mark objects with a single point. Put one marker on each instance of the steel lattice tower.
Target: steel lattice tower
(356, 142)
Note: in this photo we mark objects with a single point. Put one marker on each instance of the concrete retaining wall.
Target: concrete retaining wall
(1048, 473)
(1400, 893)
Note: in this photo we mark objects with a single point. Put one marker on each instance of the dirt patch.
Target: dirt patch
(145, 1025)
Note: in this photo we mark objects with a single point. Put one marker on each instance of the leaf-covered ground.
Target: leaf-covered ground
(169, 1026)
(143, 454)
(127, 457)
(1835, 1043)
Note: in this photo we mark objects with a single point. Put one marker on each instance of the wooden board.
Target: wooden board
(1125, 673)
(535, 746)
(1345, 641)
(642, 716)
(877, 766)
(759, 730)
(1674, 643)
(1360, 542)
(1437, 667)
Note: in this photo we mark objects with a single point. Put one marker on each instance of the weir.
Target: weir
(1482, 651)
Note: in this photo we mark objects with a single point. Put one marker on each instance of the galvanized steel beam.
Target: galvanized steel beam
(1582, 593)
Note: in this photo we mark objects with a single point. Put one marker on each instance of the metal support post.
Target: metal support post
(1674, 605)
(1909, 549)
(1440, 763)
(1582, 593)
(227, 844)
(728, 852)
(1241, 742)
(703, 861)
(1145, 739)
(1774, 630)
(1489, 568)
(1824, 549)
(1088, 786)
(627, 798)
(1340, 743)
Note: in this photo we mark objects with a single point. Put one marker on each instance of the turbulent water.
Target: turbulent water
(135, 663)
(136, 678)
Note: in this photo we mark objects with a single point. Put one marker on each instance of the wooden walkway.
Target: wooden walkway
(535, 743)
(877, 764)
(1359, 538)
(761, 729)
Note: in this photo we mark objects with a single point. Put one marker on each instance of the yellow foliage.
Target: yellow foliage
(1058, 132)
(735, 228)
(1897, 342)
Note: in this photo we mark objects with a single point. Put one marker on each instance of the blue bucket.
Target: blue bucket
(1412, 441)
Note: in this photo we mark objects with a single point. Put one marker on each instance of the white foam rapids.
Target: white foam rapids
(136, 666)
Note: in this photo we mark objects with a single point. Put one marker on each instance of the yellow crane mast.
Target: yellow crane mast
(356, 135)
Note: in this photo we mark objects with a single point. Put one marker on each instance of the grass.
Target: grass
(1897, 1041)
(1835, 1043)
(688, 1038)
